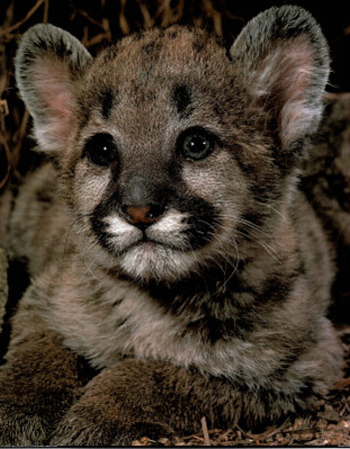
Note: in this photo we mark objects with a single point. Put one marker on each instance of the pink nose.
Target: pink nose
(140, 215)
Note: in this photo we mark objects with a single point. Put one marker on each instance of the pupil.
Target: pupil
(101, 149)
(196, 143)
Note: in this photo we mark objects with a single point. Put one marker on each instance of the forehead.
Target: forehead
(177, 60)
(160, 52)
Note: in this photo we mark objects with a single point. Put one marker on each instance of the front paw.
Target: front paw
(80, 430)
(22, 427)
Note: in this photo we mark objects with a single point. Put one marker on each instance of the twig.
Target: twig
(343, 383)
(168, 13)
(97, 39)
(345, 409)
(148, 22)
(123, 23)
(16, 150)
(215, 16)
(27, 17)
(336, 96)
(205, 432)
(265, 435)
(46, 11)
(90, 19)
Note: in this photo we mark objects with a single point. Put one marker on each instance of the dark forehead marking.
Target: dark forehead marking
(173, 34)
(107, 98)
(181, 98)
(152, 48)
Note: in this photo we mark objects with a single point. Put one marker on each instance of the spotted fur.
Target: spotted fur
(175, 252)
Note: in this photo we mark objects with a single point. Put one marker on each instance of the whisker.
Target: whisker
(284, 218)
(268, 248)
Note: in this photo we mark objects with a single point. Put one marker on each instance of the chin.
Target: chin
(150, 261)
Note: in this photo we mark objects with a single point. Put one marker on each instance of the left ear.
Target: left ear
(49, 63)
(283, 62)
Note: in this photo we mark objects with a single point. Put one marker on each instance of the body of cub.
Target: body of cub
(176, 253)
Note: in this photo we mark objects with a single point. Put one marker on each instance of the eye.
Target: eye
(101, 149)
(196, 143)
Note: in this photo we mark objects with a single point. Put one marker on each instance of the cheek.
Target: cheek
(90, 188)
(219, 182)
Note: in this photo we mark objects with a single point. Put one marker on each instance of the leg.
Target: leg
(147, 398)
(38, 383)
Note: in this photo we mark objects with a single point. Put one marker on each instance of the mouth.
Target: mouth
(148, 259)
(149, 245)
(164, 251)
(145, 244)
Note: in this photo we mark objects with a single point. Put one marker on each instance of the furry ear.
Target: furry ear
(48, 64)
(283, 62)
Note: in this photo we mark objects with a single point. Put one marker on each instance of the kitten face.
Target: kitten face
(172, 152)
(156, 165)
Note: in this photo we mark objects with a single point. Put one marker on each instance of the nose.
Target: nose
(142, 216)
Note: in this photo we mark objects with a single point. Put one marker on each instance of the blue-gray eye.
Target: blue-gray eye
(101, 149)
(196, 143)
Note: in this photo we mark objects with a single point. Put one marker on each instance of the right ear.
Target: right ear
(48, 64)
(282, 59)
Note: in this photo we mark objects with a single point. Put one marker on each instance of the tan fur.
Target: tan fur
(172, 251)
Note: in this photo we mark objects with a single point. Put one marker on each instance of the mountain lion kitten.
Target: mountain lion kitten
(170, 246)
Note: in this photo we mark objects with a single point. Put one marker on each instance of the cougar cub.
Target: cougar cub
(170, 245)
